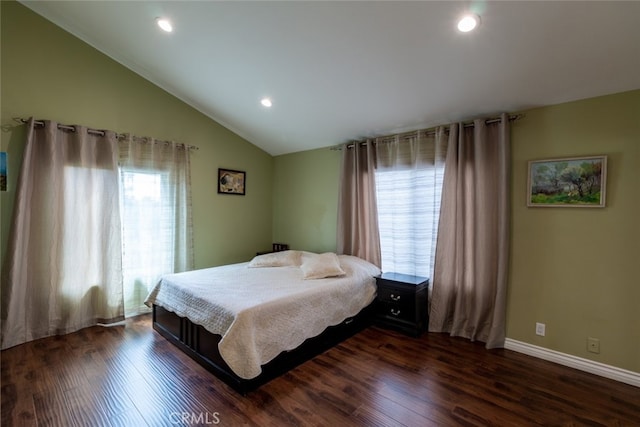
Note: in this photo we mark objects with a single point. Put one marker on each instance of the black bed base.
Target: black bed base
(202, 346)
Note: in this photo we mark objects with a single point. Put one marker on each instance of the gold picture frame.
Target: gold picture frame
(574, 182)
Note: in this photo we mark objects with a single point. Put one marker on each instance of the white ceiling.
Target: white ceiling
(341, 70)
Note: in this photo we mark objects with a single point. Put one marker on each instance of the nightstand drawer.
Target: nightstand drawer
(395, 295)
(393, 311)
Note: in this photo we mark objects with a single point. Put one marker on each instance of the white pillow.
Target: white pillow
(276, 259)
(319, 266)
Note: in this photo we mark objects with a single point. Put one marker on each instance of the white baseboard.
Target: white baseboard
(597, 368)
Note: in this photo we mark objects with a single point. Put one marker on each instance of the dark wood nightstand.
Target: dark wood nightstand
(402, 302)
(276, 247)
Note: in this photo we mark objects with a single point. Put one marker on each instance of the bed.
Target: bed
(250, 322)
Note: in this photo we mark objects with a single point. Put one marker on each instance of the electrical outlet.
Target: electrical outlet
(593, 345)
(540, 329)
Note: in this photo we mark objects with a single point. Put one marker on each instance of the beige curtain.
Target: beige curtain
(470, 279)
(357, 231)
(63, 268)
(156, 215)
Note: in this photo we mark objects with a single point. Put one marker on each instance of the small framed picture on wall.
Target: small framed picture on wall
(231, 181)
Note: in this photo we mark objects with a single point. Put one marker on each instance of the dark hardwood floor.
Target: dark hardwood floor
(128, 375)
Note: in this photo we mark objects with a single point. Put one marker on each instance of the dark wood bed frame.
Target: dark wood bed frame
(202, 346)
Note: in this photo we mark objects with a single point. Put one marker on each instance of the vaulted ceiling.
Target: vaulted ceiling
(342, 70)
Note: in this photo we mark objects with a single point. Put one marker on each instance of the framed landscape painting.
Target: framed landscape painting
(567, 182)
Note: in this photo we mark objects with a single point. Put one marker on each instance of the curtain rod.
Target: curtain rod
(427, 132)
(100, 132)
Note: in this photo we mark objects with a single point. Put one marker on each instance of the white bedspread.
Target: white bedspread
(261, 312)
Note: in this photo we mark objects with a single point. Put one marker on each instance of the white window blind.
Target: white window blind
(408, 189)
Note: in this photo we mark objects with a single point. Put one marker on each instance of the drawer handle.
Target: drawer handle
(395, 297)
(395, 312)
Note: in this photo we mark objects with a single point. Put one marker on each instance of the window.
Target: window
(408, 212)
(147, 235)
(80, 192)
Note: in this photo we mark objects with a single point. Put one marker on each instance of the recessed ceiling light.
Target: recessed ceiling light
(266, 102)
(468, 23)
(164, 24)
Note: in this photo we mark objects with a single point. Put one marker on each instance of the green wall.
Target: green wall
(574, 269)
(49, 74)
(305, 199)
